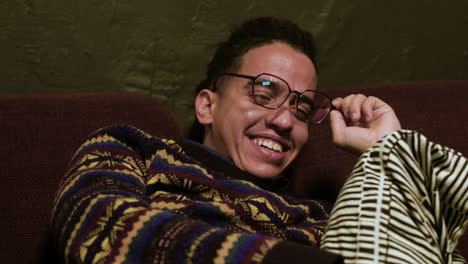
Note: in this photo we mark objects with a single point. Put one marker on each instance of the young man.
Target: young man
(130, 197)
(239, 115)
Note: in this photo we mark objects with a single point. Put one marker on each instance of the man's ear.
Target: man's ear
(204, 106)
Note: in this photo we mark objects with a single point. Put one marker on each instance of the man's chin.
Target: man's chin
(265, 172)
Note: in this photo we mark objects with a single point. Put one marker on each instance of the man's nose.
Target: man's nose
(281, 119)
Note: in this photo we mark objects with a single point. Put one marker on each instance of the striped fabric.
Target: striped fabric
(131, 198)
(406, 202)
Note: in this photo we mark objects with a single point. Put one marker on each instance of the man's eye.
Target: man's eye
(304, 110)
(262, 98)
(302, 114)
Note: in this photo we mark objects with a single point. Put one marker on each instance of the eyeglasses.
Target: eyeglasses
(271, 92)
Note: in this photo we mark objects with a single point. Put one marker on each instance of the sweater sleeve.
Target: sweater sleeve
(102, 212)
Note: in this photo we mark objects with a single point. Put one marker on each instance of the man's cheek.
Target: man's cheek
(252, 115)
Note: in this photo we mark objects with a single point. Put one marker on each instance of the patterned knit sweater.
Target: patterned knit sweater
(129, 197)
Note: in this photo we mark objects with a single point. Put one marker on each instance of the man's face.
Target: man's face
(250, 134)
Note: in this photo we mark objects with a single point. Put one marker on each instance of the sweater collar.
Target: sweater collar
(228, 170)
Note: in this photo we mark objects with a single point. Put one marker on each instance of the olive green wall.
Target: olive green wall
(161, 48)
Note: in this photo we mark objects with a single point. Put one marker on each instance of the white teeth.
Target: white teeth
(269, 144)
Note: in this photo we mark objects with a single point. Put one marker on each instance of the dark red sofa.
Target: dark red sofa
(39, 134)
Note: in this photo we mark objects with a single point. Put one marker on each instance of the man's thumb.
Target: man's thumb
(338, 125)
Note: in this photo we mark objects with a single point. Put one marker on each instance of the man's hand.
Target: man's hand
(360, 121)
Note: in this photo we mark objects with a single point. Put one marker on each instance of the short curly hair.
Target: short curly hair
(249, 35)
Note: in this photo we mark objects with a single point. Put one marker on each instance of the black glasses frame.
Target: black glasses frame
(253, 78)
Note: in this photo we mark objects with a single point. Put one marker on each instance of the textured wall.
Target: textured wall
(161, 48)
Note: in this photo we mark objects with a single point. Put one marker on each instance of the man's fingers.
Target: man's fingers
(368, 108)
(345, 103)
(337, 102)
(351, 107)
(358, 107)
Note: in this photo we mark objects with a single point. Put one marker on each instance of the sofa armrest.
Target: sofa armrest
(40, 133)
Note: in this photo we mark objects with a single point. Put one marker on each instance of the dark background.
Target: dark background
(160, 48)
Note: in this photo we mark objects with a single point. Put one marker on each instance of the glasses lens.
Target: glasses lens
(270, 91)
(313, 107)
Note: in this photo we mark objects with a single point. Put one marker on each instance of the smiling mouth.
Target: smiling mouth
(268, 144)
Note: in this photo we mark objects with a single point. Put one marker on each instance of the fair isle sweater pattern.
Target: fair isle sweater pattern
(129, 197)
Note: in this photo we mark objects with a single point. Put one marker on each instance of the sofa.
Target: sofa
(41, 132)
